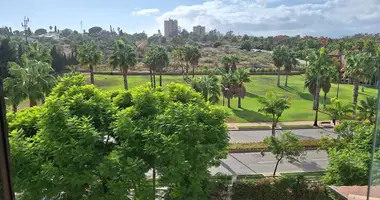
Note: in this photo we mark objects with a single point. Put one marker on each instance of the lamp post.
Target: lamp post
(6, 179)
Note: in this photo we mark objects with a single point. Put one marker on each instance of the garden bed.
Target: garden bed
(310, 144)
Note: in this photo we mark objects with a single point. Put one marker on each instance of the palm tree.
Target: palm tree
(195, 56)
(229, 80)
(290, 63)
(367, 109)
(318, 71)
(37, 52)
(13, 87)
(337, 111)
(33, 78)
(226, 61)
(124, 56)
(156, 58)
(274, 105)
(279, 56)
(178, 53)
(326, 86)
(242, 76)
(356, 69)
(208, 86)
(88, 54)
(234, 59)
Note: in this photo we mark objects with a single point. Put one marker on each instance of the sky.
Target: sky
(333, 18)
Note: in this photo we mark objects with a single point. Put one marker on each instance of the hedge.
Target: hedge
(260, 146)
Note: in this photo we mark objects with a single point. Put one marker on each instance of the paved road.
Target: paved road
(257, 136)
(255, 163)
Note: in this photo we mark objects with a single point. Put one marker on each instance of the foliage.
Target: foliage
(40, 31)
(94, 30)
(367, 109)
(208, 86)
(89, 55)
(287, 187)
(274, 105)
(38, 52)
(337, 111)
(287, 145)
(25, 121)
(246, 45)
(217, 44)
(122, 100)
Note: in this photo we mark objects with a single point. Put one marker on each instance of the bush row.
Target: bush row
(260, 146)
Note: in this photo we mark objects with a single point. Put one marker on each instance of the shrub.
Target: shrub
(123, 99)
(247, 45)
(217, 44)
(26, 121)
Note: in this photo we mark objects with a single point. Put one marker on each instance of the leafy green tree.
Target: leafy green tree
(94, 30)
(287, 145)
(246, 45)
(318, 72)
(195, 56)
(337, 111)
(367, 109)
(124, 57)
(208, 86)
(280, 56)
(226, 61)
(274, 105)
(357, 69)
(40, 31)
(234, 60)
(156, 58)
(37, 52)
(290, 63)
(7, 54)
(33, 78)
(88, 54)
(242, 76)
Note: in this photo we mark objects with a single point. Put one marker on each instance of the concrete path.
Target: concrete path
(257, 136)
(255, 163)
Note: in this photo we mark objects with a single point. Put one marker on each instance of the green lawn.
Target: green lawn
(301, 100)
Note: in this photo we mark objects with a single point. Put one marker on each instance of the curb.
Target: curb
(263, 150)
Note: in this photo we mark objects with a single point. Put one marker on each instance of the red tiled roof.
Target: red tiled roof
(345, 191)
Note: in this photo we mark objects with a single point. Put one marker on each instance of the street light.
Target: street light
(6, 179)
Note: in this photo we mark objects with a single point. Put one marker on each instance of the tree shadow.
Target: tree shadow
(305, 96)
(251, 95)
(250, 115)
(308, 166)
(288, 89)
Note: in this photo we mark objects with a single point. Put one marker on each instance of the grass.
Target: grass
(260, 146)
(290, 127)
(308, 175)
(254, 128)
(301, 100)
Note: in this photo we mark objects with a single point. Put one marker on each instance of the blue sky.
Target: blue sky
(255, 17)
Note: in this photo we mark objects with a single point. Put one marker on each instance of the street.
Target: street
(258, 136)
(255, 163)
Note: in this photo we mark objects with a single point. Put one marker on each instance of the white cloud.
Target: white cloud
(274, 17)
(145, 12)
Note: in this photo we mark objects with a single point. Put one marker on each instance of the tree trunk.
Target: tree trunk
(32, 102)
(339, 79)
(183, 71)
(92, 80)
(286, 79)
(356, 93)
(314, 102)
(274, 124)
(316, 110)
(151, 77)
(14, 108)
(161, 77)
(43, 99)
(337, 90)
(278, 77)
(154, 183)
(193, 71)
(362, 87)
(229, 102)
(239, 102)
(275, 168)
(154, 78)
(125, 81)
(324, 100)
(187, 69)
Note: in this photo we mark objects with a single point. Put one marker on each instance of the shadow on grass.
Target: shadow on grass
(305, 96)
(289, 89)
(251, 95)
(308, 166)
(250, 115)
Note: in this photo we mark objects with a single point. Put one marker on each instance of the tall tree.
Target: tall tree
(156, 58)
(195, 56)
(37, 52)
(290, 63)
(33, 77)
(367, 109)
(226, 61)
(234, 60)
(357, 70)
(229, 81)
(318, 71)
(88, 54)
(179, 54)
(274, 105)
(124, 56)
(287, 145)
(280, 56)
(208, 86)
(242, 76)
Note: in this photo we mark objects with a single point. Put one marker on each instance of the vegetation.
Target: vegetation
(274, 105)
(89, 55)
(261, 146)
(287, 145)
(254, 128)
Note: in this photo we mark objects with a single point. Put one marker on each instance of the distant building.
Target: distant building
(171, 28)
(199, 30)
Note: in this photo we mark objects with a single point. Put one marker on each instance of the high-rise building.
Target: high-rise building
(171, 28)
(199, 30)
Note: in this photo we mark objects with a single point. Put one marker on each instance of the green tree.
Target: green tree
(33, 77)
(246, 45)
(157, 57)
(367, 109)
(208, 86)
(124, 57)
(88, 54)
(357, 69)
(280, 56)
(179, 54)
(195, 56)
(226, 61)
(337, 111)
(242, 76)
(37, 52)
(318, 72)
(234, 60)
(228, 82)
(290, 63)
(274, 105)
(287, 145)
(40, 31)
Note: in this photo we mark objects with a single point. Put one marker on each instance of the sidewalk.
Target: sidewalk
(236, 125)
